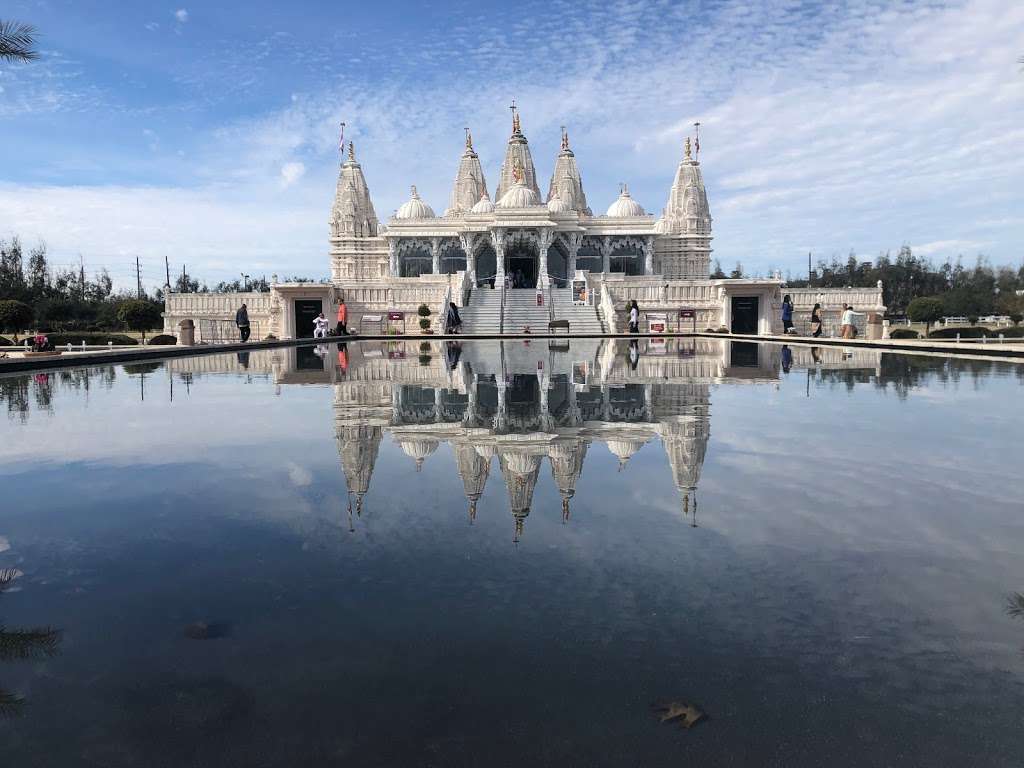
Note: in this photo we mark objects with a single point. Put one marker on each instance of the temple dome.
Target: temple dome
(419, 450)
(484, 205)
(519, 196)
(558, 205)
(415, 208)
(624, 449)
(625, 206)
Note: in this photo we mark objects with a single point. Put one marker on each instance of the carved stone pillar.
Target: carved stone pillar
(500, 418)
(498, 241)
(572, 244)
(606, 255)
(435, 255)
(466, 241)
(648, 249)
(544, 239)
(393, 257)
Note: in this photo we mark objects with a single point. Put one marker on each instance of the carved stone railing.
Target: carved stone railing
(214, 306)
(863, 299)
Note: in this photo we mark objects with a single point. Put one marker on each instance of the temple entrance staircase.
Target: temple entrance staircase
(483, 312)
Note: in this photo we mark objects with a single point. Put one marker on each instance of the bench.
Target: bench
(558, 324)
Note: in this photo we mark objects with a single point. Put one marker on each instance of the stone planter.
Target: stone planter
(52, 353)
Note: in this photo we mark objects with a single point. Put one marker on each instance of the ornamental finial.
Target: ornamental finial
(352, 151)
(515, 117)
(686, 146)
(469, 139)
(565, 139)
(415, 194)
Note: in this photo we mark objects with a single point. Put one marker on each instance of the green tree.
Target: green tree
(38, 281)
(925, 310)
(15, 316)
(139, 315)
(718, 273)
(17, 41)
(737, 271)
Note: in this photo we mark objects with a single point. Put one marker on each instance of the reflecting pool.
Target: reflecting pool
(503, 554)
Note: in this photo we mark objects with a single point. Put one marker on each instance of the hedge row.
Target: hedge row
(89, 337)
(904, 333)
(977, 332)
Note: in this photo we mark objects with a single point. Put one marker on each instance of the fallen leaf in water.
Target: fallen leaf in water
(687, 714)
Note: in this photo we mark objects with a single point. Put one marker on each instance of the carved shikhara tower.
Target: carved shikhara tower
(559, 232)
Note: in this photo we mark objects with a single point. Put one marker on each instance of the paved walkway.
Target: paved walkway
(1010, 352)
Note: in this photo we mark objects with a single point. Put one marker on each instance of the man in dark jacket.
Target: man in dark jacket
(242, 321)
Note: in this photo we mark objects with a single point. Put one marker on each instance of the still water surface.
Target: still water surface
(503, 554)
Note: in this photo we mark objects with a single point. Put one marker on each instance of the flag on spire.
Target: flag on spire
(341, 139)
(696, 139)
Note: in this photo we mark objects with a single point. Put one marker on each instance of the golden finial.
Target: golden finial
(565, 139)
(686, 146)
(515, 117)
(352, 151)
(469, 140)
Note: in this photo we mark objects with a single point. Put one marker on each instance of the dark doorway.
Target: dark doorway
(743, 354)
(306, 358)
(523, 269)
(744, 314)
(306, 311)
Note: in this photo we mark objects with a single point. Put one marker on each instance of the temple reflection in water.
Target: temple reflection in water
(517, 405)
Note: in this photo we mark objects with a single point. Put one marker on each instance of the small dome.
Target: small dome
(415, 208)
(625, 206)
(419, 450)
(484, 205)
(558, 205)
(519, 196)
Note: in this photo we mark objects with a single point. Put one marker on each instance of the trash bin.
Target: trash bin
(187, 333)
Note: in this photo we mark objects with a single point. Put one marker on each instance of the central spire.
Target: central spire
(517, 154)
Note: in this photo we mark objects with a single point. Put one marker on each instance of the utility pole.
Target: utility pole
(808, 269)
(81, 278)
(138, 276)
(184, 280)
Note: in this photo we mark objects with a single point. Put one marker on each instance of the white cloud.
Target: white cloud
(152, 26)
(300, 476)
(948, 247)
(181, 15)
(824, 127)
(292, 172)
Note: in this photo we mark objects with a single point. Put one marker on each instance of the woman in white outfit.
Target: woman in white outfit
(320, 327)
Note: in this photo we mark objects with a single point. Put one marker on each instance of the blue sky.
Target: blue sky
(207, 133)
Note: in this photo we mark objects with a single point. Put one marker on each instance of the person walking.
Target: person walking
(849, 329)
(242, 321)
(842, 320)
(816, 321)
(342, 329)
(634, 317)
(320, 326)
(453, 322)
(787, 314)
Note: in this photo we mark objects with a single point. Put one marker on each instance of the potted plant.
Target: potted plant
(424, 313)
